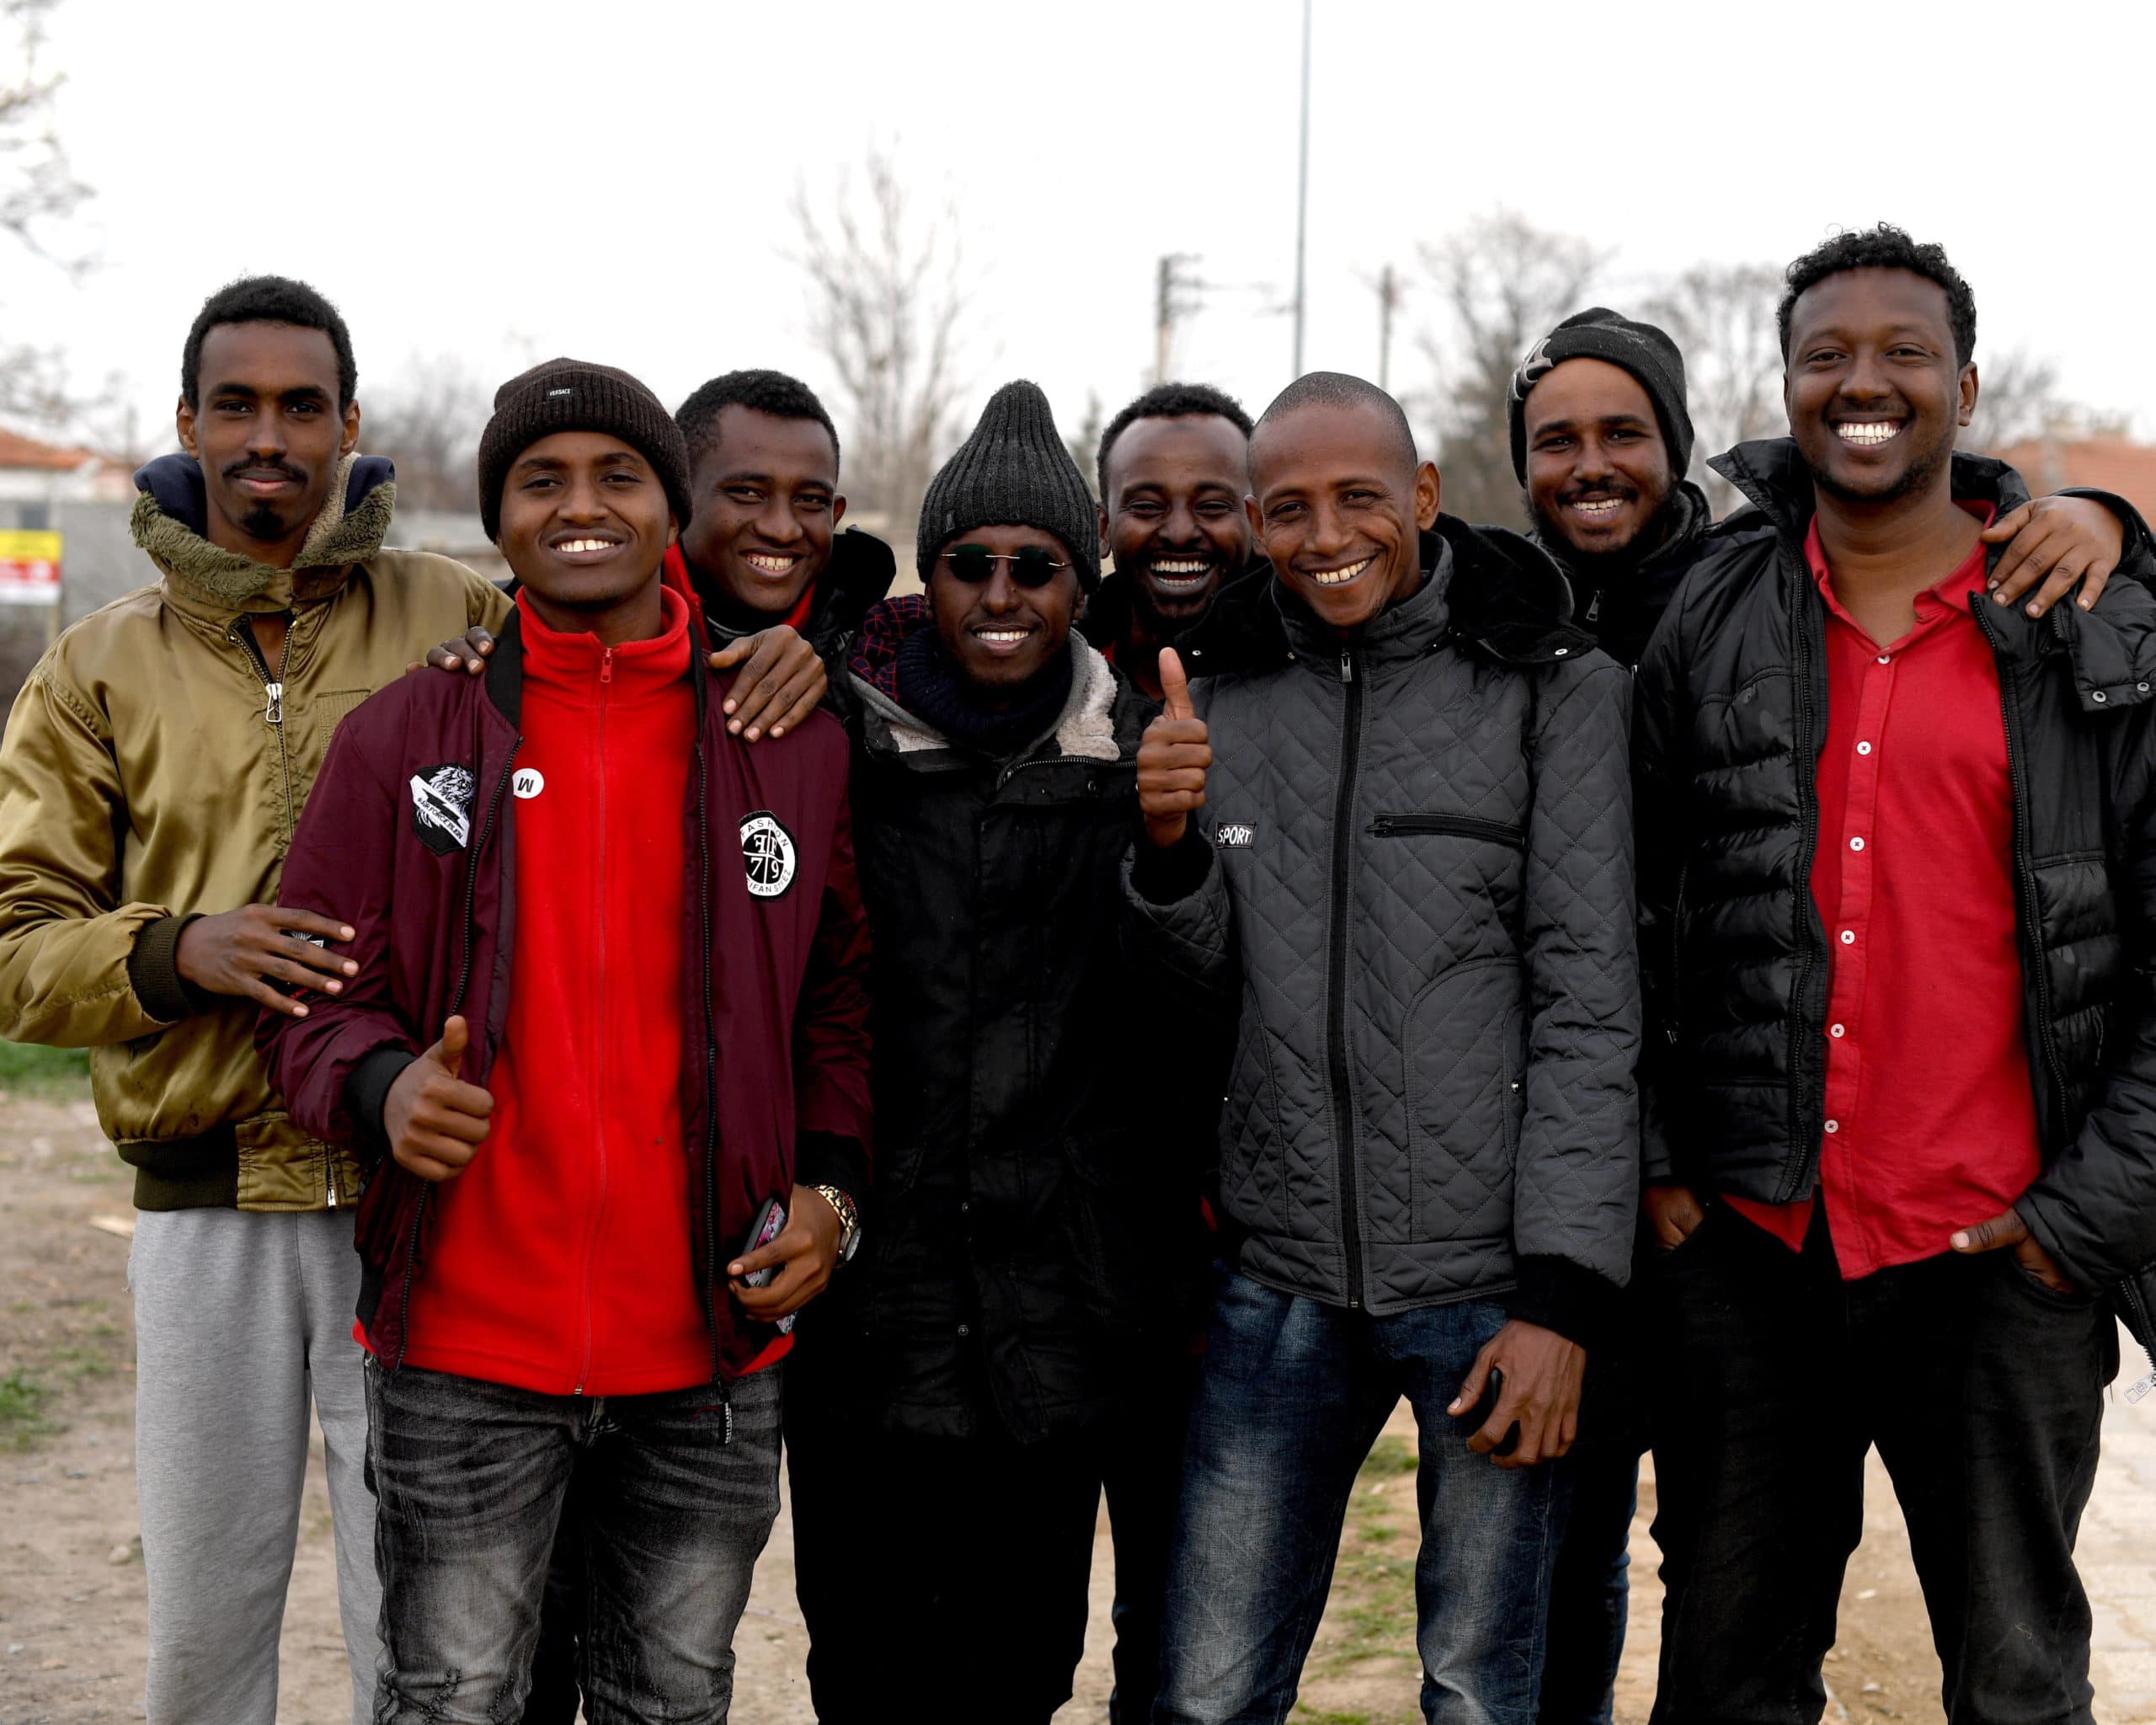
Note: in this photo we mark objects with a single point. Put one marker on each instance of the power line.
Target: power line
(1302, 192)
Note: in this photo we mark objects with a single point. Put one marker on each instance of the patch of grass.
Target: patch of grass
(1389, 1458)
(1314, 1716)
(22, 1418)
(30, 1070)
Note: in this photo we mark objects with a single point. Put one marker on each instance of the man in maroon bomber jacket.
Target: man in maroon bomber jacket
(607, 1005)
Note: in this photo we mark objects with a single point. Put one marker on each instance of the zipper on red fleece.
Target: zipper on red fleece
(599, 1040)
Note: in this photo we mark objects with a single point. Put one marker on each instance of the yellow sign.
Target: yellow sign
(29, 566)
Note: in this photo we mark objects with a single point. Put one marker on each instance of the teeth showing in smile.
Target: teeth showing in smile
(1003, 638)
(1181, 574)
(574, 545)
(1867, 433)
(1339, 577)
(764, 564)
(1596, 509)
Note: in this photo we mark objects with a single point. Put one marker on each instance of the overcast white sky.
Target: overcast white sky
(611, 179)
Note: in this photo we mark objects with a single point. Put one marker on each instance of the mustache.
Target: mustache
(234, 470)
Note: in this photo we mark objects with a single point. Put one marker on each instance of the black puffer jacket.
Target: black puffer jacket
(1730, 715)
(1622, 615)
(1033, 1230)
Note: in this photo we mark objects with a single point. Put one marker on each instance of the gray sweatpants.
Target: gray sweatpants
(238, 1317)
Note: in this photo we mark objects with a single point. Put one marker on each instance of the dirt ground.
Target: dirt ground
(72, 1611)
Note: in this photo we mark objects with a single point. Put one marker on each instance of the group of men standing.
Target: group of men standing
(1653, 981)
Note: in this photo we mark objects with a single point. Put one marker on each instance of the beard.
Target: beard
(264, 523)
(1608, 566)
(1922, 471)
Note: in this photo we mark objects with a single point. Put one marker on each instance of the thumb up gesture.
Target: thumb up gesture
(1172, 759)
(435, 1121)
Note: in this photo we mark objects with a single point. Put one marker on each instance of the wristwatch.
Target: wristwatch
(849, 1221)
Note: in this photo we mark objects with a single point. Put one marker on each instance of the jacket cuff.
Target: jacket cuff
(1169, 877)
(1564, 1296)
(831, 1158)
(2137, 538)
(153, 972)
(366, 1091)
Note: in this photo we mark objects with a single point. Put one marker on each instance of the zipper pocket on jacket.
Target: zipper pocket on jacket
(1465, 826)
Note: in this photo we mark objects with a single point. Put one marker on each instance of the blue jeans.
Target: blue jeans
(470, 1479)
(1291, 1397)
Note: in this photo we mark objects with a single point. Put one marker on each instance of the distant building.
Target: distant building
(2104, 463)
(33, 472)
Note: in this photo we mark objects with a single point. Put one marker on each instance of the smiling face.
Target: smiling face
(584, 526)
(1875, 392)
(268, 432)
(999, 634)
(1597, 470)
(1339, 507)
(1174, 515)
(767, 504)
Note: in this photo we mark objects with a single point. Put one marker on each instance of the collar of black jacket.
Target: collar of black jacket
(858, 575)
(1493, 591)
(2108, 651)
(505, 678)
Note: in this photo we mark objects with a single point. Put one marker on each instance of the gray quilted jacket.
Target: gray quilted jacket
(1416, 874)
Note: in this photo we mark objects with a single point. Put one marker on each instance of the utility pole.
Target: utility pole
(1170, 283)
(1302, 192)
(1388, 303)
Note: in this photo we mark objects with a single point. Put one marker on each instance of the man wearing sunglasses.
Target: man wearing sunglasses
(1404, 854)
(1015, 1294)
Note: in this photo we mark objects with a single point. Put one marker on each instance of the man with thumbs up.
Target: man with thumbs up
(608, 1008)
(1404, 853)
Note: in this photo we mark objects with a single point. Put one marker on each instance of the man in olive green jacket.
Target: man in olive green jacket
(153, 768)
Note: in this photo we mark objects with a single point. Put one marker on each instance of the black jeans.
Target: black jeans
(470, 1479)
(1984, 1392)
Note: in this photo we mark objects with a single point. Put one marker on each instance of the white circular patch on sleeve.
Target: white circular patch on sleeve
(528, 783)
(768, 853)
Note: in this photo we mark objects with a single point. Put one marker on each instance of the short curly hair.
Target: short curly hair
(762, 392)
(268, 299)
(1885, 247)
(1170, 401)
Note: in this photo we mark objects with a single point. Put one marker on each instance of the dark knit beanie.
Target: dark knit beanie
(1642, 350)
(573, 395)
(1014, 470)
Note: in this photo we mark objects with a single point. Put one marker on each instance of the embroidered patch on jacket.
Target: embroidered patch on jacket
(441, 808)
(768, 853)
(1236, 835)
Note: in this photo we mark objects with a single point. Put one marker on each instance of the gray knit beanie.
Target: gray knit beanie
(1014, 470)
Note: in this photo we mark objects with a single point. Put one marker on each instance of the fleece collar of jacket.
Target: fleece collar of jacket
(1085, 732)
(2109, 651)
(214, 583)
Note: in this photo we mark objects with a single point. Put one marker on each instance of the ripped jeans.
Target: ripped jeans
(471, 1478)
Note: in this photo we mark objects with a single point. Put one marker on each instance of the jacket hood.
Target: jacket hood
(1088, 730)
(2108, 651)
(171, 520)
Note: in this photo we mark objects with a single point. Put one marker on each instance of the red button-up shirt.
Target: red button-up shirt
(1931, 1121)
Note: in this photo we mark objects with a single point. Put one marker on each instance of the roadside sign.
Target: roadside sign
(29, 566)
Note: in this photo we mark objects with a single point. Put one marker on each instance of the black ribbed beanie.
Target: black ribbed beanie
(1645, 351)
(574, 395)
(1013, 471)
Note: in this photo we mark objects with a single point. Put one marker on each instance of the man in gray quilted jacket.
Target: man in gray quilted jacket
(1406, 850)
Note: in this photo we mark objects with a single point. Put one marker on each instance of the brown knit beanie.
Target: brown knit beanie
(573, 395)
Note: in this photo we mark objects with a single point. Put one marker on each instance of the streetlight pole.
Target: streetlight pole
(1302, 190)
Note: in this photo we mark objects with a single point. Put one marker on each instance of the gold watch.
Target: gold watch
(849, 1221)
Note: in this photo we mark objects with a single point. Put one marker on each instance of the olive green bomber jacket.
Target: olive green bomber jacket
(148, 776)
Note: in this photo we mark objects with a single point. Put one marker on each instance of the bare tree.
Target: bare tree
(38, 193)
(429, 421)
(2018, 399)
(1722, 316)
(885, 301)
(1085, 442)
(1504, 282)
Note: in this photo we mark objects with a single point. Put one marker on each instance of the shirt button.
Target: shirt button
(1856, 844)
(1864, 748)
(1833, 1125)
(1884, 657)
(1836, 1031)
(965, 1329)
(1849, 937)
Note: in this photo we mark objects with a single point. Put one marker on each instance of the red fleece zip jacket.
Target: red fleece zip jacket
(561, 1262)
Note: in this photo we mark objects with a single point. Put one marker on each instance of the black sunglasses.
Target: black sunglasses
(1035, 566)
